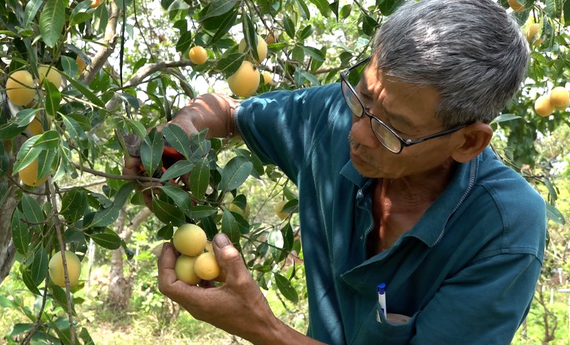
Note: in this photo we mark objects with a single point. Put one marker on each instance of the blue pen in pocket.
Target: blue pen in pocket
(381, 289)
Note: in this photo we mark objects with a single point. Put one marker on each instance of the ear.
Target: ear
(472, 140)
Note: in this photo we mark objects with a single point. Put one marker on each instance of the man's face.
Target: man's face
(409, 109)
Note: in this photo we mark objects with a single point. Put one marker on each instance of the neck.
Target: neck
(411, 192)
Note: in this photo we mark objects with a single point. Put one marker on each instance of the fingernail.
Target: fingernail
(221, 240)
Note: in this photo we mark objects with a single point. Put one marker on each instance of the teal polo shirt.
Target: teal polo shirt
(465, 273)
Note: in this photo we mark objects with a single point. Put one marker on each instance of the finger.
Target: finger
(229, 258)
(166, 262)
(132, 163)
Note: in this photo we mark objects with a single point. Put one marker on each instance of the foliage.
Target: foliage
(138, 74)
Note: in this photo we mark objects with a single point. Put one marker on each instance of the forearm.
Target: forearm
(212, 111)
(282, 334)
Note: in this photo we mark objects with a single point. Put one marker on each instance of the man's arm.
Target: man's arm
(237, 306)
(212, 111)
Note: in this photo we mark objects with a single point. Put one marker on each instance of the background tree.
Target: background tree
(125, 68)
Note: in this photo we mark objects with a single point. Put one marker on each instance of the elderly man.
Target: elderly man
(414, 198)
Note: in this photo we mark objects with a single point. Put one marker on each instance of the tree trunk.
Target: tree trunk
(120, 287)
(7, 249)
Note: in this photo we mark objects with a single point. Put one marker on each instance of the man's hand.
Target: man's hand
(237, 306)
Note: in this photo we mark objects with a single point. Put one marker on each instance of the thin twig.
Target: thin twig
(57, 224)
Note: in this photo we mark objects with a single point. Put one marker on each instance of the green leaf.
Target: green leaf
(108, 239)
(86, 337)
(275, 239)
(79, 13)
(203, 211)
(250, 35)
(151, 151)
(20, 232)
(39, 268)
(554, 214)
(566, 11)
(230, 226)
(52, 20)
(30, 12)
(10, 130)
(217, 8)
(47, 141)
(323, 7)
(235, 173)
(304, 9)
(200, 178)
(59, 296)
(285, 287)
(83, 89)
(184, 42)
(289, 26)
(32, 210)
(26, 116)
(177, 138)
(167, 213)
(107, 216)
(505, 117)
(74, 204)
(45, 160)
(177, 169)
(229, 64)
(180, 197)
(53, 98)
(21, 328)
(314, 53)
(223, 24)
(28, 281)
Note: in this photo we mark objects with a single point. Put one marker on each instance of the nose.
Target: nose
(361, 132)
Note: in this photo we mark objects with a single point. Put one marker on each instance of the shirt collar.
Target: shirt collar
(431, 227)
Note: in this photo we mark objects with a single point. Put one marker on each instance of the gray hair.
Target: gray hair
(472, 51)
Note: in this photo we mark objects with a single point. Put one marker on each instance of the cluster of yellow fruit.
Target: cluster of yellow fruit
(20, 87)
(245, 81)
(559, 98)
(197, 260)
(56, 271)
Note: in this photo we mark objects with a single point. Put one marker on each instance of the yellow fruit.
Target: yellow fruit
(190, 240)
(516, 6)
(184, 268)
(29, 174)
(80, 64)
(56, 271)
(206, 266)
(279, 210)
(236, 209)
(96, 3)
(36, 127)
(532, 31)
(245, 81)
(538, 41)
(261, 47)
(267, 78)
(560, 97)
(198, 55)
(20, 88)
(543, 106)
(52, 74)
(271, 38)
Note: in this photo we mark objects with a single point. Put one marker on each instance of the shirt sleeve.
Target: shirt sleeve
(281, 126)
(484, 303)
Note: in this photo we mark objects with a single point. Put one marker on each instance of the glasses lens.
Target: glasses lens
(351, 99)
(385, 136)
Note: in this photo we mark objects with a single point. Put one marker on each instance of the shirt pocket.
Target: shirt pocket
(372, 332)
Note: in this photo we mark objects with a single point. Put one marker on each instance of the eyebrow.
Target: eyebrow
(367, 95)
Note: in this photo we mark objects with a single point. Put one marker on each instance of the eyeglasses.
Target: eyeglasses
(384, 133)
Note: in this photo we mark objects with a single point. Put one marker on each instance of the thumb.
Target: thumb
(228, 256)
